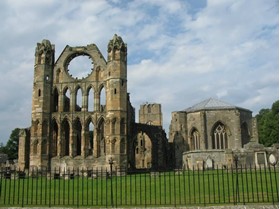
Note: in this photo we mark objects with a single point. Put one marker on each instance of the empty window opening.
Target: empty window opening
(102, 99)
(66, 100)
(55, 100)
(78, 137)
(101, 138)
(90, 100)
(65, 138)
(80, 66)
(91, 138)
(54, 139)
(79, 98)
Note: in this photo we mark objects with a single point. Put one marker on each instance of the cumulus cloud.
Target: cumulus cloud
(179, 52)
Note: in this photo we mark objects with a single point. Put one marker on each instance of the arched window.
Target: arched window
(65, 136)
(54, 139)
(101, 138)
(143, 151)
(90, 100)
(66, 100)
(79, 100)
(195, 140)
(78, 136)
(219, 137)
(55, 100)
(102, 97)
(91, 136)
(113, 126)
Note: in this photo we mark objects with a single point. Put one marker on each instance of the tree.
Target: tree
(11, 148)
(268, 125)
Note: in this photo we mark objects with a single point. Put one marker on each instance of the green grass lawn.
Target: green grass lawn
(166, 188)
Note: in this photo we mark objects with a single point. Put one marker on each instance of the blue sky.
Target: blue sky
(180, 52)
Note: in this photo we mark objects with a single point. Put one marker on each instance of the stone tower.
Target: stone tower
(116, 99)
(150, 114)
(41, 104)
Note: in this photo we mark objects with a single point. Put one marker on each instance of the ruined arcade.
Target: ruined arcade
(67, 135)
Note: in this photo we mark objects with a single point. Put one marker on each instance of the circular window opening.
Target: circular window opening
(80, 66)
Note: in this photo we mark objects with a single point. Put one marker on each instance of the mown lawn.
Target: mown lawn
(209, 187)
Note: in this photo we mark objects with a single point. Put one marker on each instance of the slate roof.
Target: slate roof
(211, 104)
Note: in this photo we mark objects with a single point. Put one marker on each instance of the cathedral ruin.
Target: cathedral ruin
(66, 135)
(87, 122)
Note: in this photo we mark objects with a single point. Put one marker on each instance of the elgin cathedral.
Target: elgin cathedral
(87, 122)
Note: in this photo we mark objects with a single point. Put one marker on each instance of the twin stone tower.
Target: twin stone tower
(68, 134)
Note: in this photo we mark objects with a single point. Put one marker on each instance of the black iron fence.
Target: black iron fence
(103, 188)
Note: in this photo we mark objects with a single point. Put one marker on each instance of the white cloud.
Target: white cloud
(179, 52)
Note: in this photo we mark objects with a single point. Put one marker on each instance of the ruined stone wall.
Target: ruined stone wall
(150, 114)
(65, 133)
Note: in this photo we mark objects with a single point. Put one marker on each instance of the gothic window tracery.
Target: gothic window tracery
(219, 137)
(195, 140)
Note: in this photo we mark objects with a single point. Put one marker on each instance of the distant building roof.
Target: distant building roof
(212, 104)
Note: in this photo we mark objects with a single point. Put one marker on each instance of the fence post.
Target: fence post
(111, 165)
(276, 183)
(235, 158)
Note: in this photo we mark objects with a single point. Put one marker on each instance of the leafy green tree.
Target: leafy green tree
(2, 148)
(268, 125)
(11, 148)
